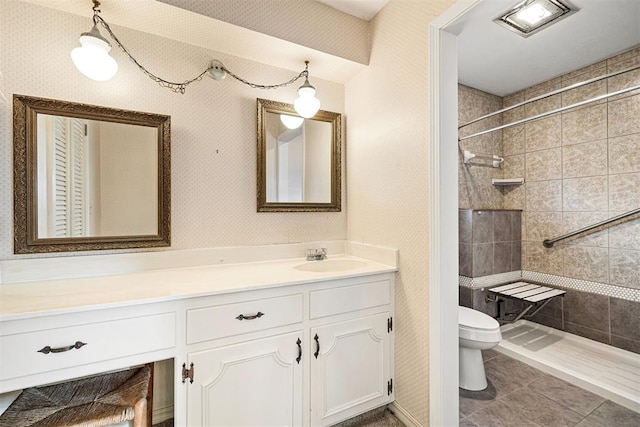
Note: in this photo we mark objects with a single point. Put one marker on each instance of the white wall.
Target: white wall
(213, 125)
(387, 150)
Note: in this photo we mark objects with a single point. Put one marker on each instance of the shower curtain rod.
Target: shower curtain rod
(549, 113)
(548, 243)
(547, 95)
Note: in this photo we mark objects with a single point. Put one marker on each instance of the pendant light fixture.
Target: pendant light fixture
(93, 60)
(291, 122)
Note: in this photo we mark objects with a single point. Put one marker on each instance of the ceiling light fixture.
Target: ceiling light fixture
(93, 60)
(531, 16)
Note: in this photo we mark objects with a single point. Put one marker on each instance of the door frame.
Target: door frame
(443, 218)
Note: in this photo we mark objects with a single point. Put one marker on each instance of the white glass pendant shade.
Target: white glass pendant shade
(291, 122)
(307, 105)
(92, 59)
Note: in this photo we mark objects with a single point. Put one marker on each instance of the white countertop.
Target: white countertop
(39, 298)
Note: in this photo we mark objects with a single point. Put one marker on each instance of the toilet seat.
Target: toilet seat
(477, 326)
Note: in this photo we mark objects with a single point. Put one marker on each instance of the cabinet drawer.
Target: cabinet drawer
(20, 353)
(220, 321)
(345, 299)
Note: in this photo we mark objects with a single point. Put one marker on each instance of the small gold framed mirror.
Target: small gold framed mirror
(89, 177)
(299, 160)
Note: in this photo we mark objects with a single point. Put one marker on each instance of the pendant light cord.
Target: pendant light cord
(181, 87)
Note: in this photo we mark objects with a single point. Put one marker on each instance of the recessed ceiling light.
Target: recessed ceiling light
(531, 16)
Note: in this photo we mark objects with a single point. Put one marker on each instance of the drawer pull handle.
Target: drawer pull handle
(317, 340)
(48, 349)
(299, 351)
(255, 316)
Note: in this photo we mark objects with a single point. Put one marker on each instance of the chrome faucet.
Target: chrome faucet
(316, 254)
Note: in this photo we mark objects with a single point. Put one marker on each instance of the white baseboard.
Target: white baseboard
(402, 414)
(162, 414)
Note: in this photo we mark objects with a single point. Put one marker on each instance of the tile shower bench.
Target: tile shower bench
(252, 342)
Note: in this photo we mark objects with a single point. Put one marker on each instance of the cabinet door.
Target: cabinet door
(257, 383)
(351, 372)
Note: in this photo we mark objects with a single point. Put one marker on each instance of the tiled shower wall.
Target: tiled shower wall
(580, 167)
(474, 179)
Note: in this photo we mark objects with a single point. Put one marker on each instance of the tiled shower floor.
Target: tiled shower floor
(522, 396)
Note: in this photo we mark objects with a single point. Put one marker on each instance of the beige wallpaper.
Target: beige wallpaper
(213, 125)
(387, 177)
(580, 167)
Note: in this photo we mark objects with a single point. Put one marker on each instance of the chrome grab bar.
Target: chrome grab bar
(548, 243)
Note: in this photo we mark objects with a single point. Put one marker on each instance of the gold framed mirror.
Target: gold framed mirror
(88, 177)
(299, 160)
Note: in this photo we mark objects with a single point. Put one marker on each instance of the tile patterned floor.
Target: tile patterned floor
(521, 396)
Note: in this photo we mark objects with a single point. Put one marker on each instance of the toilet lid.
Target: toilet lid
(475, 319)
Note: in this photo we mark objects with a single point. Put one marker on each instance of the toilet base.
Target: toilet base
(472, 374)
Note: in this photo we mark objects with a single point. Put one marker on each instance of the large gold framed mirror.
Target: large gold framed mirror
(299, 160)
(89, 177)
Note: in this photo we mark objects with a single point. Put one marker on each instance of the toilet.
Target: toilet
(477, 331)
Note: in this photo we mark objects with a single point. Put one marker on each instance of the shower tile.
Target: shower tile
(625, 268)
(467, 423)
(578, 75)
(513, 166)
(482, 259)
(543, 134)
(513, 140)
(544, 165)
(625, 235)
(480, 302)
(482, 223)
(587, 310)
(567, 394)
(544, 105)
(587, 91)
(516, 225)
(513, 99)
(544, 195)
(550, 315)
(465, 296)
(502, 226)
(611, 414)
(465, 257)
(514, 197)
(623, 116)
(525, 406)
(586, 263)
(584, 124)
(572, 221)
(585, 194)
(501, 257)
(624, 55)
(623, 81)
(625, 318)
(516, 256)
(624, 154)
(623, 192)
(464, 226)
(541, 259)
(542, 225)
(587, 159)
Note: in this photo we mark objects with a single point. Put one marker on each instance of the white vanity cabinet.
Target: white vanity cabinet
(312, 355)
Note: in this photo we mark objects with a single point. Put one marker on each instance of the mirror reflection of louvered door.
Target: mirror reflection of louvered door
(68, 201)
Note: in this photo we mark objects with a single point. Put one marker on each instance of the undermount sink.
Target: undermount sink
(326, 266)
